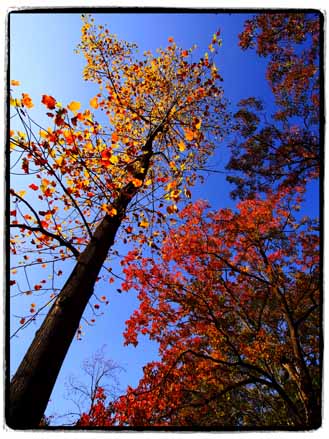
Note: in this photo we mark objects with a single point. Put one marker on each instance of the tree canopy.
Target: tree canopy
(232, 296)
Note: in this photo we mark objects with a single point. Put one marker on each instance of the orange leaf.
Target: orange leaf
(94, 103)
(115, 137)
(27, 101)
(189, 134)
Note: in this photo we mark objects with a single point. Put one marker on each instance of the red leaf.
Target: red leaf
(49, 102)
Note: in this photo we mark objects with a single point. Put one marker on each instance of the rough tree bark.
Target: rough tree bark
(31, 386)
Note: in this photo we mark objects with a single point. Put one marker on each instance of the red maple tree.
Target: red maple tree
(234, 303)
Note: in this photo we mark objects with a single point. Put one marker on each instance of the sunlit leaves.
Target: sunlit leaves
(34, 187)
(161, 119)
(94, 102)
(74, 106)
(213, 301)
(49, 102)
(181, 146)
(111, 211)
(27, 101)
(21, 193)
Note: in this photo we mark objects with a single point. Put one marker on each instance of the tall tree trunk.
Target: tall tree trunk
(31, 387)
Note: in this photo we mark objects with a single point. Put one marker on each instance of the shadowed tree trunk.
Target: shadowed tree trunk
(31, 386)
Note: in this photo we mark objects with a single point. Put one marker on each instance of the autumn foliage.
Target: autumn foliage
(247, 282)
(128, 166)
(280, 149)
(81, 166)
(231, 296)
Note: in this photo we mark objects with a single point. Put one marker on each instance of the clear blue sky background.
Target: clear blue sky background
(42, 57)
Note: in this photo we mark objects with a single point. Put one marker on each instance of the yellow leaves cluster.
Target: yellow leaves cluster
(74, 106)
(111, 211)
(26, 101)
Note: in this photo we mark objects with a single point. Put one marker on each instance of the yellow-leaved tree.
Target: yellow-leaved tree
(126, 163)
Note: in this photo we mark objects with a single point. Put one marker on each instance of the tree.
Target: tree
(162, 117)
(91, 395)
(234, 303)
(283, 149)
(234, 297)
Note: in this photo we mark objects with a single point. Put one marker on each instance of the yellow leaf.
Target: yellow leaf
(59, 160)
(21, 193)
(136, 182)
(109, 210)
(74, 106)
(94, 103)
(89, 146)
(148, 182)
(144, 223)
(181, 146)
(198, 125)
(15, 102)
(114, 159)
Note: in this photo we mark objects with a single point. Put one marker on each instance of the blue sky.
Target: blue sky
(42, 57)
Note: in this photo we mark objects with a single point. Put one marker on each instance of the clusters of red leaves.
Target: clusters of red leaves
(98, 414)
(222, 302)
(233, 299)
